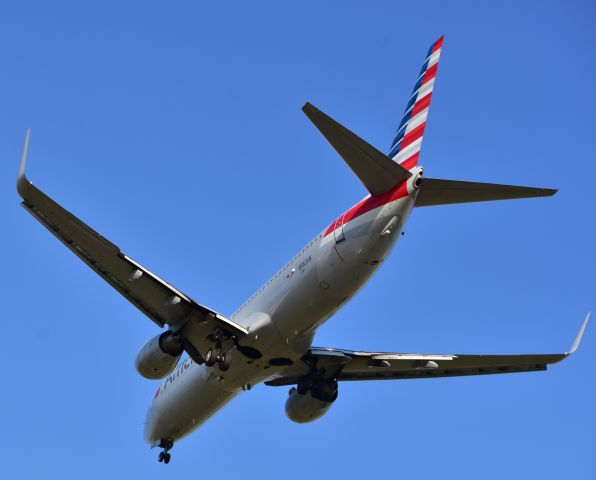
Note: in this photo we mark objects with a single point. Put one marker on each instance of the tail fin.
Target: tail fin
(405, 147)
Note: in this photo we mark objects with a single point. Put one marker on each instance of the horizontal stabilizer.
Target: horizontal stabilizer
(435, 191)
(376, 171)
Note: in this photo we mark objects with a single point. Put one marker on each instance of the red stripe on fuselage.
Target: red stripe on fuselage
(370, 203)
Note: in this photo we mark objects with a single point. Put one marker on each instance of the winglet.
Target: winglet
(22, 182)
(579, 334)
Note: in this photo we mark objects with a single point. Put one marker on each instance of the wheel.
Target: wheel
(166, 458)
(161, 457)
(212, 356)
(225, 360)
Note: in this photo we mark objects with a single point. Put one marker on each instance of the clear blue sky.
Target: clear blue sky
(175, 130)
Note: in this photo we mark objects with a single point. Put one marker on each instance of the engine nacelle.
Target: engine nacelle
(159, 356)
(304, 408)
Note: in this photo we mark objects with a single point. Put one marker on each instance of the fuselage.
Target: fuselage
(282, 316)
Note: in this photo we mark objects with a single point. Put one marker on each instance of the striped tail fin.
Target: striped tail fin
(405, 148)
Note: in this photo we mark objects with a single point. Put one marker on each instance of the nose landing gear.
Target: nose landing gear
(164, 456)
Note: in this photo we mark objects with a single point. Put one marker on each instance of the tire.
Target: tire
(166, 458)
(161, 457)
(211, 356)
(225, 361)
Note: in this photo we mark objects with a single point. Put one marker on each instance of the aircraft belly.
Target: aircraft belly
(292, 315)
(358, 256)
(339, 271)
(187, 399)
(185, 404)
(283, 323)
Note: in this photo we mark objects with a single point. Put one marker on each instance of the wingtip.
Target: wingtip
(311, 111)
(548, 192)
(578, 338)
(22, 181)
(544, 192)
(307, 106)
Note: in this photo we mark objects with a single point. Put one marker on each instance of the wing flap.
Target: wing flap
(407, 366)
(459, 365)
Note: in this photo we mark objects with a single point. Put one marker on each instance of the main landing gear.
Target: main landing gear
(223, 345)
(215, 355)
(164, 456)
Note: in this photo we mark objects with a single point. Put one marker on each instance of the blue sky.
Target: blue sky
(174, 129)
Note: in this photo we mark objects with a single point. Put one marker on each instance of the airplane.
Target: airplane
(268, 339)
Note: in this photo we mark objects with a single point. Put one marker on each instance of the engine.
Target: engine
(159, 356)
(311, 405)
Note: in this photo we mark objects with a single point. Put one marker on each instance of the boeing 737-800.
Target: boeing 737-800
(268, 338)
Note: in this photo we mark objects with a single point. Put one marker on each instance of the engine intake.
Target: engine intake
(159, 356)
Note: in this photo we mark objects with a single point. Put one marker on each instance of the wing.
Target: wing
(156, 298)
(345, 365)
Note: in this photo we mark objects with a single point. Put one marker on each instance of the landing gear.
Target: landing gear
(216, 356)
(212, 356)
(164, 456)
(225, 361)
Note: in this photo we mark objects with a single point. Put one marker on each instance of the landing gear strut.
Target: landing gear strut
(164, 456)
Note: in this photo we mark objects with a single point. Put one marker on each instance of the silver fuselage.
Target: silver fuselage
(283, 315)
